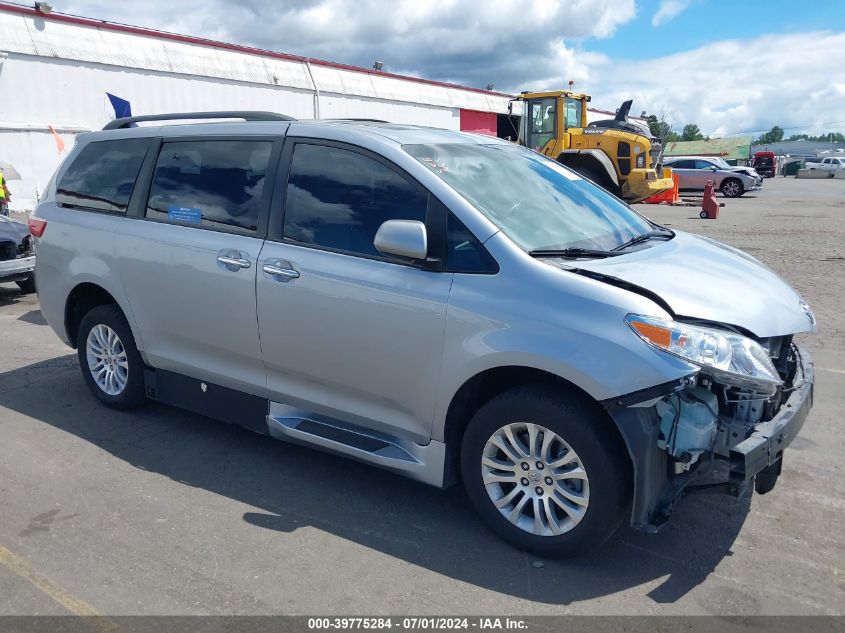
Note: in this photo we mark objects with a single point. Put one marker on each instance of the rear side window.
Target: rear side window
(338, 199)
(103, 175)
(212, 184)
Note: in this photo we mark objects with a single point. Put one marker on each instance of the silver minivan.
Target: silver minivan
(446, 306)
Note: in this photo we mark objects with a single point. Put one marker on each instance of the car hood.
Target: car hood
(700, 278)
(742, 170)
(12, 230)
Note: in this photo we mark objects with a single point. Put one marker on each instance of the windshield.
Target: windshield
(536, 202)
(721, 162)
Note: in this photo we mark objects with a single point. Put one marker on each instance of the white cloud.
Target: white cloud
(669, 10)
(793, 80)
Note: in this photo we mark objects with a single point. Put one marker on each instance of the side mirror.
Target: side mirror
(402, 238)
(713, 168)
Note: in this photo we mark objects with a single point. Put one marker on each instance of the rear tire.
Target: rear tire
(109, 359)
(732, 188)
(27, 286)
(581, 502)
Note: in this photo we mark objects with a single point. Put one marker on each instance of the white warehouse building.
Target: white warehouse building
(57, 70)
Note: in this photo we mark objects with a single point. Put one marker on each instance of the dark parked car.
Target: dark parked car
(17, 257)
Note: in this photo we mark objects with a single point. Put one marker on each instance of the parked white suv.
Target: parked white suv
(446, 306)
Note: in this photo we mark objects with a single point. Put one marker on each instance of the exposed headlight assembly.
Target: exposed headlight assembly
(731, 359)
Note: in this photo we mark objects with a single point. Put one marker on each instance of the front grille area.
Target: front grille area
(8, 250)
(656, 155)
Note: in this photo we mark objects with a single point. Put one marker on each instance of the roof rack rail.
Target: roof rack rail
(246, 115)
(359, 120)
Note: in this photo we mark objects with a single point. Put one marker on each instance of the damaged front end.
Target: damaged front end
(722, 428)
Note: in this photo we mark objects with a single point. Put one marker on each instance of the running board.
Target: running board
(423, 463)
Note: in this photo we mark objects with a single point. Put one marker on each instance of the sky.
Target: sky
(729, 66)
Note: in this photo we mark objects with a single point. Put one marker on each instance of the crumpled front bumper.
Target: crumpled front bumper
(17, 269)
(655, 491)
(765, 446)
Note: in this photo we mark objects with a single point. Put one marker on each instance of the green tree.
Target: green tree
(775, 135)
(661, 128)
(691, 132)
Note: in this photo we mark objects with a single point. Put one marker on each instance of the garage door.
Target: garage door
(478, 122)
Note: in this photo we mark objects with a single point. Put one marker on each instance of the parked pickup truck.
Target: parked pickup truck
(829, 163)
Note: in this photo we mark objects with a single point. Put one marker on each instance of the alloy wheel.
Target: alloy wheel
(731, 189)
(535, 479)
(107, 359)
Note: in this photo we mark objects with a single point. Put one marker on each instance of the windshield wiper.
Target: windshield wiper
(639, 239)
(572, 253)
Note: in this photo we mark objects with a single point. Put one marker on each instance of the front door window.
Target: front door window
(542, 113)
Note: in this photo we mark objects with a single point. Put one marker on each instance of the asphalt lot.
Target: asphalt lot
(157, 511)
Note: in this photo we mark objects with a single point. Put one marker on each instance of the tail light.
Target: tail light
(37, 226)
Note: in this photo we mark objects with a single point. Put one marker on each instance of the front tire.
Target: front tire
(546, 471)
(732, 188)
(109, 359)
(27, 286)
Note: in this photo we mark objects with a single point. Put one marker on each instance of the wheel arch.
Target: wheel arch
(84, 297)
(595, 160)
(488, 383)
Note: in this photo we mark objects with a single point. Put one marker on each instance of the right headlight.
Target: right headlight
(730, 358)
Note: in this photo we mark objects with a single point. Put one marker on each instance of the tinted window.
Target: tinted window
(338, 199)
(464, 253)
(703, 164)
(103, 175)
(680, 164)
(215, 184)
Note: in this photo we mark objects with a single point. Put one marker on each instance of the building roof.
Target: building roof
(27, 31)
(56, 36)
(735, 147)
(176, 37)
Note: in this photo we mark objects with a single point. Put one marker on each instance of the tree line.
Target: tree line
(663, 130)
(775, 135)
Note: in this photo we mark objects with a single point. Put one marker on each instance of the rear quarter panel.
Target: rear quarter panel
(77, 247)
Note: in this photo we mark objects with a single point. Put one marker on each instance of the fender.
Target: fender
(598, 155)
(107, 284)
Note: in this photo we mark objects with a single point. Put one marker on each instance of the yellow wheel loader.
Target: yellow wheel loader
(619, 154)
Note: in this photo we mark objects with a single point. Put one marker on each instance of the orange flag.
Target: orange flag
(60, 144)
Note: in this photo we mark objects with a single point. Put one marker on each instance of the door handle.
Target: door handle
(282, 274)
(233, 263)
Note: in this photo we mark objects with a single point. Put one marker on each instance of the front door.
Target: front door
(542, 124)
(189, 266)
(345, 331)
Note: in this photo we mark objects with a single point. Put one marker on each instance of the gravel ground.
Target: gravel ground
(157, 511)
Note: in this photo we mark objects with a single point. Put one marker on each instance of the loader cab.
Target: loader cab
(547, 117)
